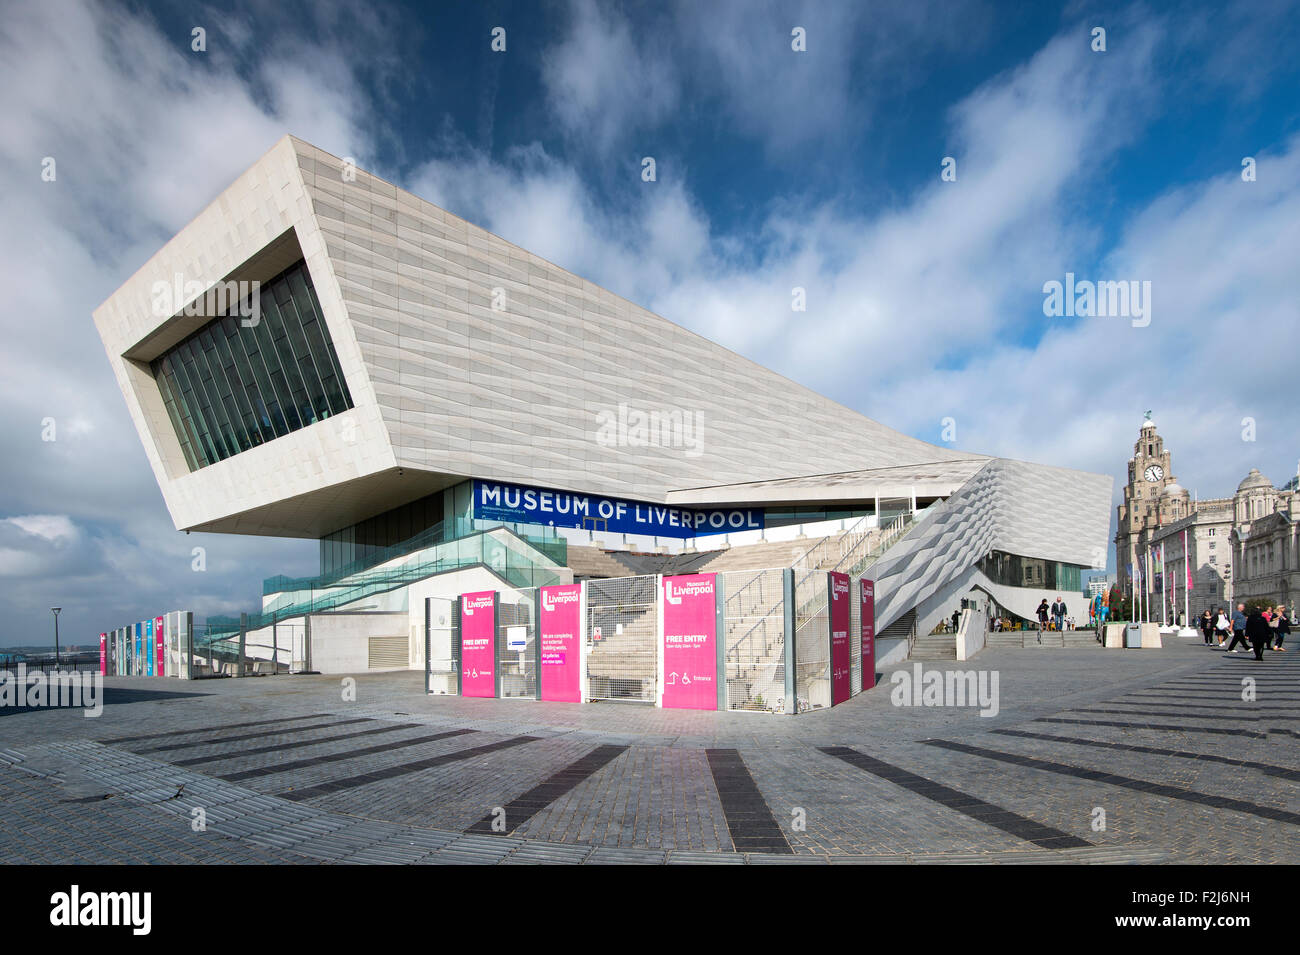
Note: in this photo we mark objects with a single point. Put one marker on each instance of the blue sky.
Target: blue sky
(776, 169)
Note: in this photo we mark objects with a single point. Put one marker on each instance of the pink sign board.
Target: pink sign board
(690, 642)
(103, 654)
(559, 627)
(867, 624)
(478, 644)
(161, 668)
(837, 586)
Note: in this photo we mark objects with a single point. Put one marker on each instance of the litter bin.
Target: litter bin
(1133, 636)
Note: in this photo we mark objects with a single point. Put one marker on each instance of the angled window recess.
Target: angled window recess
(245, 378)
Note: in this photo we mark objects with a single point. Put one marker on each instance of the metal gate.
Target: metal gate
(517, 645)
(754, 636)
(622, 639)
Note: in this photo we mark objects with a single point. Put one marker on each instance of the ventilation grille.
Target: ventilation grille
(388, 652)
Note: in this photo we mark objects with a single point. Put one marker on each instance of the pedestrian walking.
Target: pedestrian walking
(1239, 629)
(1222, 625)
(1058, 613)
(1042, 619)
(1259, 632)
(1207, 627)
(1282, 622)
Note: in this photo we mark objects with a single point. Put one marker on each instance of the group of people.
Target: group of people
(1263, 628)
(1057, 612)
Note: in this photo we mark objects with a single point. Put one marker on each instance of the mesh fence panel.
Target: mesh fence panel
(517, 667)
(623, 663)
(812, 643)
(754, 637)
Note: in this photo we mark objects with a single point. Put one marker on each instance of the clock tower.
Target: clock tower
(1152, 499)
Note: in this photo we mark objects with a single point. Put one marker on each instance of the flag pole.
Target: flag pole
(1164, 589)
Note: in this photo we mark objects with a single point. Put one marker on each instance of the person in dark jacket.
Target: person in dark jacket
(1042, 619)
(1258, 632)
(1283, 621)
(1207, 627)
(1058, 612)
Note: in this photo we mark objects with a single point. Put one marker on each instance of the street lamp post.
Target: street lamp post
(55, 611)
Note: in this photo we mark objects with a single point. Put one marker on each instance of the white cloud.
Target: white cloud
(601, 84)
(932, 308)
(50, 527)
(144, 133)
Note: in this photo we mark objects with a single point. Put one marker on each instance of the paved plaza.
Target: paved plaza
(1093, 757)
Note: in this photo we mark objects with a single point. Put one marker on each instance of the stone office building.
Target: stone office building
(1241, 548)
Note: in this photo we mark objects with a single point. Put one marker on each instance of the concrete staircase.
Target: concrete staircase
(759, 556)
(935, 646)
(586, 561)
(1028, 640)
(622, 665)
(755, 638)
(822, 553)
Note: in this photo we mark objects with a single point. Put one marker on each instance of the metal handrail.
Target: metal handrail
(386, 581)
(804, 555)
(894, 530)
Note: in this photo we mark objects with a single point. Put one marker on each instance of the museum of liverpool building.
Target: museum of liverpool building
(526, 486)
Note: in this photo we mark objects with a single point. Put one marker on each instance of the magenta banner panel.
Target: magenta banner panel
(478, 631)
(161, 668)
(690, 642)
(103, 654)
(559, 627)
(867, 596)
(837, 586)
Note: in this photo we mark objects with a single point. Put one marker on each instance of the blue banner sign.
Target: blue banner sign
(495, 501)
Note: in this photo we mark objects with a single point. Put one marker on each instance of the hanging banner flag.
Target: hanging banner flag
(837, 589)
(867, 625)
(478, 644)
(103, 654)
(1187, 563)
(160, 667)
(559, 628)
(690, 673)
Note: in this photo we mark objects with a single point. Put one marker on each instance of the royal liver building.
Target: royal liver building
(1198, 554)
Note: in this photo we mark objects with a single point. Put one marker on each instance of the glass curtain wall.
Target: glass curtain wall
(1015, 571)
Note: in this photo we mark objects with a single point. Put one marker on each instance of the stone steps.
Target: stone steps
(935, 646)
(1028, 640)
